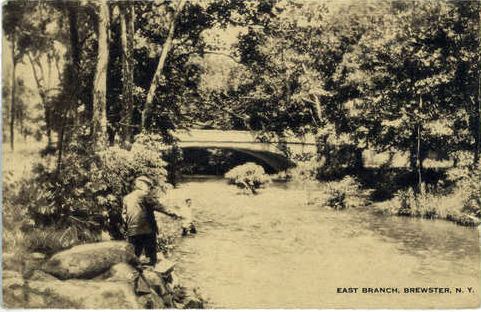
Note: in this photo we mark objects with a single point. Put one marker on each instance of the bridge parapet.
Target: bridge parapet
(242, 140)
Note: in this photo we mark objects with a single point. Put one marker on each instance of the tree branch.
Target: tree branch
(160, 66)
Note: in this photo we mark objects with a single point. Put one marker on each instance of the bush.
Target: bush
(50, 240)
(27, 228)
(304, 171)
(346, 193)
(337, 153)
(467, 184)
(429, 203)
(112, 176)
(470, 188)
(87, 192)
(424, 204)
(248, 177)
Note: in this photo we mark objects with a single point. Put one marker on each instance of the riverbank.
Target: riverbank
(95, 276)
(33, 278)
(27, 246)
(453, 195)
(447, 208)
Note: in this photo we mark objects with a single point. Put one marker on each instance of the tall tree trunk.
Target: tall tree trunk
(73, 69)
(160, 67)
(99, 116)
(12, 95)
(127, 40)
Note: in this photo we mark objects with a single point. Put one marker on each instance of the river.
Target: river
(273, 250)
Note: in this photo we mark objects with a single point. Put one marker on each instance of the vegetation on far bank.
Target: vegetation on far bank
(452, 194)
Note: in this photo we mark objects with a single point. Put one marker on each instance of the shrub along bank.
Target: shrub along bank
(455, 198)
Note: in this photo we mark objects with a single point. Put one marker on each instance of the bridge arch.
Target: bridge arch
(268, 154)
(271, 162)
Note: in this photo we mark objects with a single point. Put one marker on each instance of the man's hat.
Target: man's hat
(145, 180)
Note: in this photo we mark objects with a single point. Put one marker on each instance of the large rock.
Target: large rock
(13, 289)
(11, 261)
(12, 282)
(37, 275)
(122, 272)
(88, 294)
(193, 300)
(151, 301)
(34, 261)
(11, 274)
(89, 260)
(152, 278)
(164, 267)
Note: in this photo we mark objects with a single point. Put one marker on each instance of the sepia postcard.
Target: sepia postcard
(203, 154)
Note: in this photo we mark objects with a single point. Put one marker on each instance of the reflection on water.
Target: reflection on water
(273, 250)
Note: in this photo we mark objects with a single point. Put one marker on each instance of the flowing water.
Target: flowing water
(273, 250)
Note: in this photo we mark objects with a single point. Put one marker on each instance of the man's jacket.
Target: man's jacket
(138, 213)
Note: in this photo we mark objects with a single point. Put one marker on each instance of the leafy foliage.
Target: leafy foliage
(406, 77)
(431, 203)
(346, 193)
(249, 177)
(304, 171)
(467, 185)
(89, 191)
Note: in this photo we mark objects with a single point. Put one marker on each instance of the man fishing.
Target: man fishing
(139, 220)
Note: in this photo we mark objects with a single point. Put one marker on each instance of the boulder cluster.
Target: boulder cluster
(104, 275)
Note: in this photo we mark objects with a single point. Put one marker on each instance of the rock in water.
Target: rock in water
(89, 260)
(194, 303)
(164, 267)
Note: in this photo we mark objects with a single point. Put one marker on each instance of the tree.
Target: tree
(127, 30)
(99, 116)
(160, 66)
(291, 59)
(12, 26)
(404, 73)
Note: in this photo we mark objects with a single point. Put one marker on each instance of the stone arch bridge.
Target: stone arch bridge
(246, 142)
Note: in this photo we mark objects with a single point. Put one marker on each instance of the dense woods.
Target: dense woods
(390, 74)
